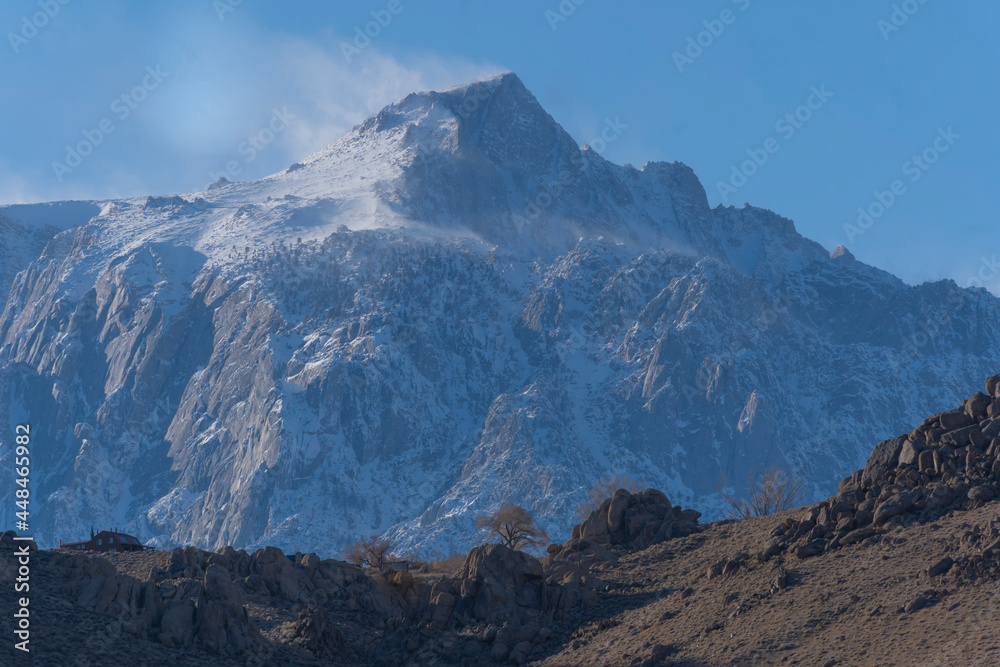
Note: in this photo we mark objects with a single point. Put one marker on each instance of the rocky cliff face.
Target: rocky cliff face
(450, 308)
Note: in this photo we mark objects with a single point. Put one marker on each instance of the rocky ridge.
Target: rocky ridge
(264, 607)
(950, 462)
(909, 547)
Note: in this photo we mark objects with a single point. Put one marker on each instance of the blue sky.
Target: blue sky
(699, 82)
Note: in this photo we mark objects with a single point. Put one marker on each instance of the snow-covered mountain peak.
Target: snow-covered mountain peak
(485, 159)
(450, 307)
(496, 118)
(482, 160)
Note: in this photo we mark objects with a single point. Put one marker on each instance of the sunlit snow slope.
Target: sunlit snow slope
(451, 307)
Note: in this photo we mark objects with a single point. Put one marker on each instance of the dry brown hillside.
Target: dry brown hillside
(900, 566)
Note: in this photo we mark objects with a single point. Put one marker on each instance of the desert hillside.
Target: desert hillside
(901, 566)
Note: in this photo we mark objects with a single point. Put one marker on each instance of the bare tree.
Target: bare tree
(772, 491)
(515, 526)
(372, 551)
(606, 489)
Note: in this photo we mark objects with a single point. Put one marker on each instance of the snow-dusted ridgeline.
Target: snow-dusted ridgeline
(451, 307)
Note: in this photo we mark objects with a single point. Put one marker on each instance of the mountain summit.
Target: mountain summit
(451, 307)
(486, 159)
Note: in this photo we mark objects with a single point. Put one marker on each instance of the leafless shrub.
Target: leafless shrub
(606, 489)
(372, 551)
(515, 527)
(771, 491)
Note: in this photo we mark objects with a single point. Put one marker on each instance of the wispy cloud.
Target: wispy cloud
(334, 96)
(225, 87)
(233, 87)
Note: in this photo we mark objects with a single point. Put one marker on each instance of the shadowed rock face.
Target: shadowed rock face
(445, 339)
(221, 621)
(318, 633)
(636, 521)
(189, 606)
(503, 580)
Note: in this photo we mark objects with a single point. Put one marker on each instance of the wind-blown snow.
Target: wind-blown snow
(451, 307)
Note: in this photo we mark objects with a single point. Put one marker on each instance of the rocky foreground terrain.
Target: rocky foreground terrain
(900, 567)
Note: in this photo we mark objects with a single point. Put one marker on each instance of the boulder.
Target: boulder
(8, 543)
(441, 606)
(976, 405)
(993, 449)
(882, 461)
(971, 458)
(636, 520)
(980, 494)
(519, 654)
(960, 437)
(279, 574)
(221, 621)
(499, 652)
(98, 594)
(177, 624)
(909, 453)
(941, 498)
(991, 429)
(941, 567)
(993, 386)
(957, 418)
(472, 649)
(316, 632)
(768, 552)
(500, 580)
(512, 635)
(846, 485)
(894, 506)
(929, 422)
(814, 548)
(334, 575)
(187, 562)
(856, 536)
(916, 604)
(925, 462)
